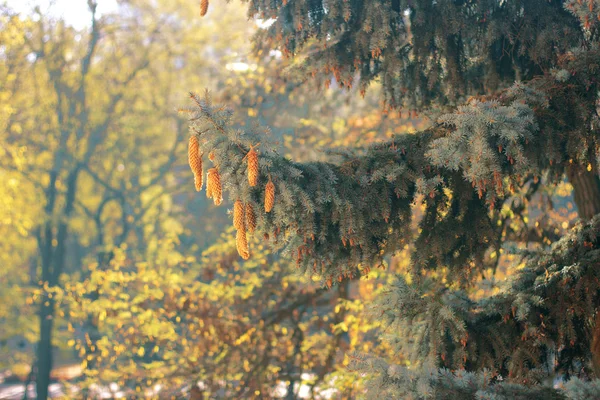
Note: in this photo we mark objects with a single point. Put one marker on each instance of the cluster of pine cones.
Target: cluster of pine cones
(244, 216)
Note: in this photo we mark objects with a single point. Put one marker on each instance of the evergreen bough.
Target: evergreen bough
(516, 84)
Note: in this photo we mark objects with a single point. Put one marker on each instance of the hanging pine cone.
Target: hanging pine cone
(250, 218)
(203, 7)
(195, 161)
(242, 244)
(211, 156)
(209, 193)
(269, 196)
(213, 186)
(238, 215)
(252, 166)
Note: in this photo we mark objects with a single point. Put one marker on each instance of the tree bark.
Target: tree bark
(586, 193)
(44, 350)
(595, 347)
(586, 190)
(53, 259)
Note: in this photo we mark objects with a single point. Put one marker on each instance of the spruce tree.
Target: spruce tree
(514, 85)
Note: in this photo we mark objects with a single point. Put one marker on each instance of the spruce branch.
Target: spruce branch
(355, 209)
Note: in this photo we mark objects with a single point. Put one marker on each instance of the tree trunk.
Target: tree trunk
(586, 193)
(53, 258)
(586, 190)
(44, 350)
(596, 345)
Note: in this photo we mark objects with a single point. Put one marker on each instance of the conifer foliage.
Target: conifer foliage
(517, 86)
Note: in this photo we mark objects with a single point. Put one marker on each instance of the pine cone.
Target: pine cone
(269, 196)
(213, 186)
(242, 244)
(252, 167)
(250, 218)
(238, 215)
(209, 193)
(195, 161)
(203, 7)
